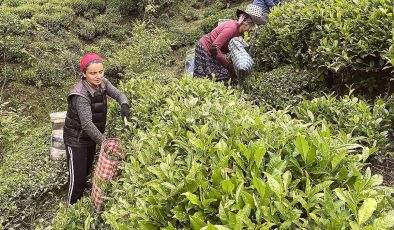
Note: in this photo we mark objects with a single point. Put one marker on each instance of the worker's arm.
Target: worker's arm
(224, 37)
(115, 93)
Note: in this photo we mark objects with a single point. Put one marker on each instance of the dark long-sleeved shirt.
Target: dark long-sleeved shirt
(221, 36)
(84, 111)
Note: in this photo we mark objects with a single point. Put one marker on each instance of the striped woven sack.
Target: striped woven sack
(106, 170)
(242, 61)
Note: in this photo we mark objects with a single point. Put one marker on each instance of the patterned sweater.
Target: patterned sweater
(265, 5)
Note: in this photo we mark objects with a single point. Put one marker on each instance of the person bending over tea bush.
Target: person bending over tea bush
(85, 121)
(211, 49)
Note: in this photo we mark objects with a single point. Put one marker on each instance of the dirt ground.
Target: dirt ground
(386, 169)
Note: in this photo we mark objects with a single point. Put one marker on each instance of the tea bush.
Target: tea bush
(25, 11)
(37, 31)
(150, 7)
(202, 157)
(181, 38)
(108, 24)
(104, 46)
(14, 49)
(14, 3)
(147, 50)
(44, 73)
(337, 36)
(27, 175)
(86, 29)
(54, 17)
(85, 216)
(80, 7)
(11, 125)
(211, 20)
(280, 87)
(349, 114)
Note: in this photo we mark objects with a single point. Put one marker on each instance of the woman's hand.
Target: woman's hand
(125, 111)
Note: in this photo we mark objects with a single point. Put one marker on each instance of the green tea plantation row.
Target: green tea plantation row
(200, 156)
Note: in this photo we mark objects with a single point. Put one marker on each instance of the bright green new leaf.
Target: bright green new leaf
(311, 157)
(227, 186)
(341, 194)
(196, 223)
(274, 185)
(310, 114)
(221, 146)
(302, 147)
(337, 159)
(216, 177)
(259, 185)
(192, 198)
(258, 149)
(238, 192)
(286, 180)
(247, 198)
(354, 225)
(385, 222)
(366, 210)
(88, 221)
(369, 227)
(222, 214)
(215, 227)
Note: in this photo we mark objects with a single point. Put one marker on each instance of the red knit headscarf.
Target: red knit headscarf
(88, 58)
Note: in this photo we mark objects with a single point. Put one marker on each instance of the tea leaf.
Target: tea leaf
(227, 186)
(196, 223)
(192, 198)
(367, 208)
(260, 186)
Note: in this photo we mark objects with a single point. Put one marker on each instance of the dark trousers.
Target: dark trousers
(79, 163)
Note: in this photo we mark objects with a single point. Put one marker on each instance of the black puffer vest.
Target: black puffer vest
(73, 134)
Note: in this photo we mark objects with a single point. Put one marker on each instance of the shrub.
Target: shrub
(139, 8)
(339, 36)
(104, 46)
(84, 213)
(80, 7)
(86, 29)
(54, 17)
(148, 49)
(201, 157)
(14, 49)
(44, 73)
(281, 87)
(11, 125)
(25, 11)
(15, 3)
(12, 24)
(27, 176)
(211, 21)
(9, 73)
(127, 7)
(351, 115)
(108, 24)
(181, 38)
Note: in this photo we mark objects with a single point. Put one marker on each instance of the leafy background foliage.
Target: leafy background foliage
(278, 87)
(351, 40)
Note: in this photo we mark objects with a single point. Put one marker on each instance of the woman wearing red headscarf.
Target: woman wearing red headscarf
(85, 121)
